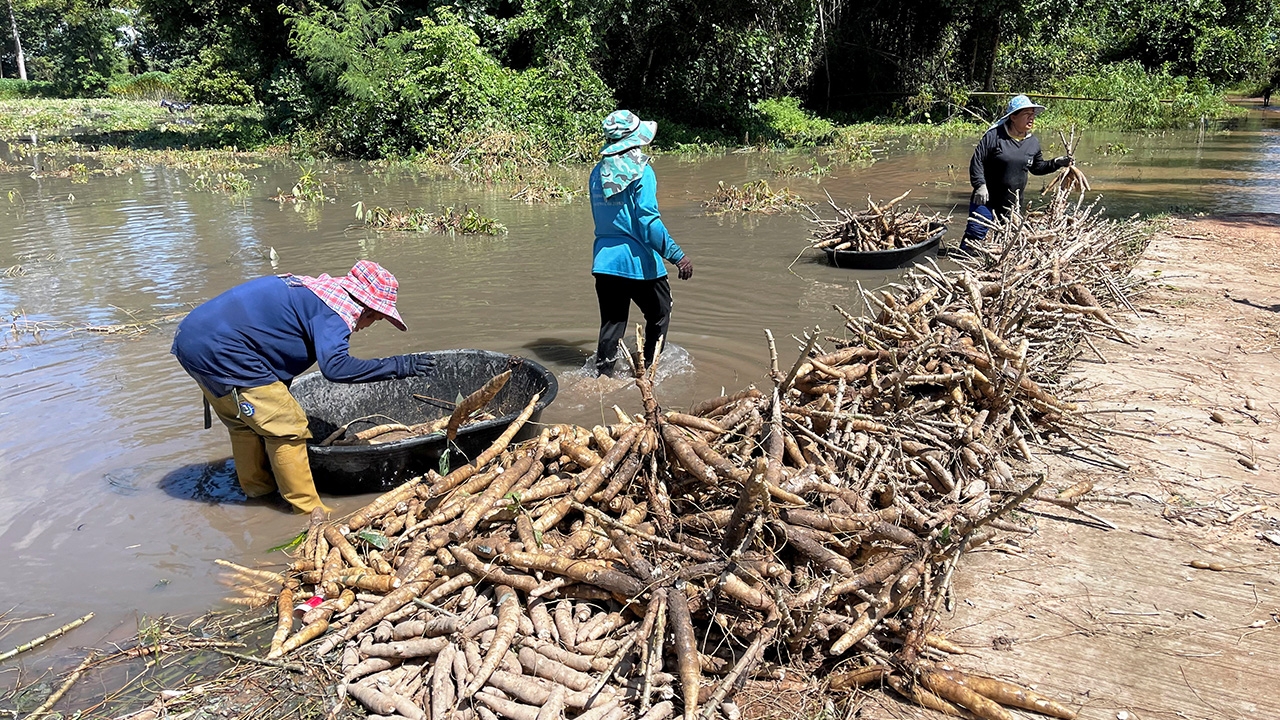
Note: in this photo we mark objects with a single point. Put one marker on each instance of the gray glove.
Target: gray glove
(686, 268)
(1061, 162)
(981, 196)
(417, 365)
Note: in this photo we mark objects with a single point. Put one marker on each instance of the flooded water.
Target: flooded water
(114, 499)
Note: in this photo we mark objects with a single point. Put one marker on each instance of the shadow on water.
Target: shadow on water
(558, 351)
(214, 483)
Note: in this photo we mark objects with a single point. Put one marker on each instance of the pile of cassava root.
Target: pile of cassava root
(806, 532)
(879, 227)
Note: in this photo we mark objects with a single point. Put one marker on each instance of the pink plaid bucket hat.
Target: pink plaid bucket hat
(375, 287)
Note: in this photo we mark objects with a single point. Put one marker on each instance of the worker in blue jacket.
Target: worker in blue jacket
(631, 241)
(1000, 163)
(245, 346)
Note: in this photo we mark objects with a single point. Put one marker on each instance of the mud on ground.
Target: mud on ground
(1116, 620)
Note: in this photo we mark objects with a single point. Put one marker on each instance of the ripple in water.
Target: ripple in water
(582, 388)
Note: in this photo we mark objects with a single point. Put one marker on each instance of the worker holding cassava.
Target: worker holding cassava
(631, 241)
(245, 346)
(1000, 163)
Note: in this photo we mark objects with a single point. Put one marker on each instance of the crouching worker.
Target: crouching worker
(245, 346)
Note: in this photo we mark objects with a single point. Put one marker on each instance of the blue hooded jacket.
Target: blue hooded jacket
(631, 241)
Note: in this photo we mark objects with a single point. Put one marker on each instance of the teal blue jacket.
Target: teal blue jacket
(631, 240)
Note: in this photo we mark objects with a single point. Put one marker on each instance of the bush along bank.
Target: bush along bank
(433, 96)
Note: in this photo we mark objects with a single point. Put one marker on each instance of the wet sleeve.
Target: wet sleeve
(1040, 166)
(648, 221)
(332, 338)
(977, 169)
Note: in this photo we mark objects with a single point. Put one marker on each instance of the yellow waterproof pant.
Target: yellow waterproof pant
(269, 443)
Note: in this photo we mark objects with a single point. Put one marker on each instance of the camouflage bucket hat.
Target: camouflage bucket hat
(623, 131)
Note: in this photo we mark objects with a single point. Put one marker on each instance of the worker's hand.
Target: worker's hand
(1061, 162)
(981, 196)
(419, 365)
(686, 267)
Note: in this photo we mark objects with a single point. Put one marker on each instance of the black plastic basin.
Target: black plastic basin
(887, 259)
(350, 469)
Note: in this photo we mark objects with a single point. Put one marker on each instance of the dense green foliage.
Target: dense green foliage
(75, 45)
(436, 87)
(13, 89)
(1141, 98)
(471, 80)
(153, 85)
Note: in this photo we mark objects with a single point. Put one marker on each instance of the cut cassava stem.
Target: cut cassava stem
(53, 698)
(474, 402)
(46, 637)
(462, 474)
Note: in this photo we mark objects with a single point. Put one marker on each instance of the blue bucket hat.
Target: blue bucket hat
(623, 131)
(1016, 103)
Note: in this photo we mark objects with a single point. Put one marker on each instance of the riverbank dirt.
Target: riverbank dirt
(1116, 621)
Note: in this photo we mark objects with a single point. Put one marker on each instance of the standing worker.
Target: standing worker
(631, 241)
(1001, 161)
(245, 346)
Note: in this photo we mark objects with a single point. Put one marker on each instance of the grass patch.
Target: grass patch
(14, 89)
(206, 161)
(416, 219)
(133, 123)
(226, 183)
(1113, 149)
(782, 122)
(79, 172)
(1139, 98)
(754, 197)
(815, 171)
(308, 189)
(545, 190)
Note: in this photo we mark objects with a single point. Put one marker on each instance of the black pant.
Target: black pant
(615, 295)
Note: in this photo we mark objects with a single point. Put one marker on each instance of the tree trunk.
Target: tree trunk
(989, 84)
(17, 43)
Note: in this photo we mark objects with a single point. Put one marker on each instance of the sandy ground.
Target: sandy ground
(1115, 621)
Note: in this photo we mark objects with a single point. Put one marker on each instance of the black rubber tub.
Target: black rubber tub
(350, 469)
(887, 259)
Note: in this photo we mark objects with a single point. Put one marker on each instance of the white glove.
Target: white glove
(981, 196)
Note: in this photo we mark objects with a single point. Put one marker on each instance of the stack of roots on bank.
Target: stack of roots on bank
(805, 533)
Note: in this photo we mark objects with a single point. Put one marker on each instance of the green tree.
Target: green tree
(19, 58)
(72, 43)
(218, 50)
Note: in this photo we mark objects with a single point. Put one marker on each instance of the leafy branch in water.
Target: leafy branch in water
(309, 188)
(545, 190)
(228, 183)
(754, 197)
(411, 219)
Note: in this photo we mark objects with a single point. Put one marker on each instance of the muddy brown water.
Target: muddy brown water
(113, 499)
